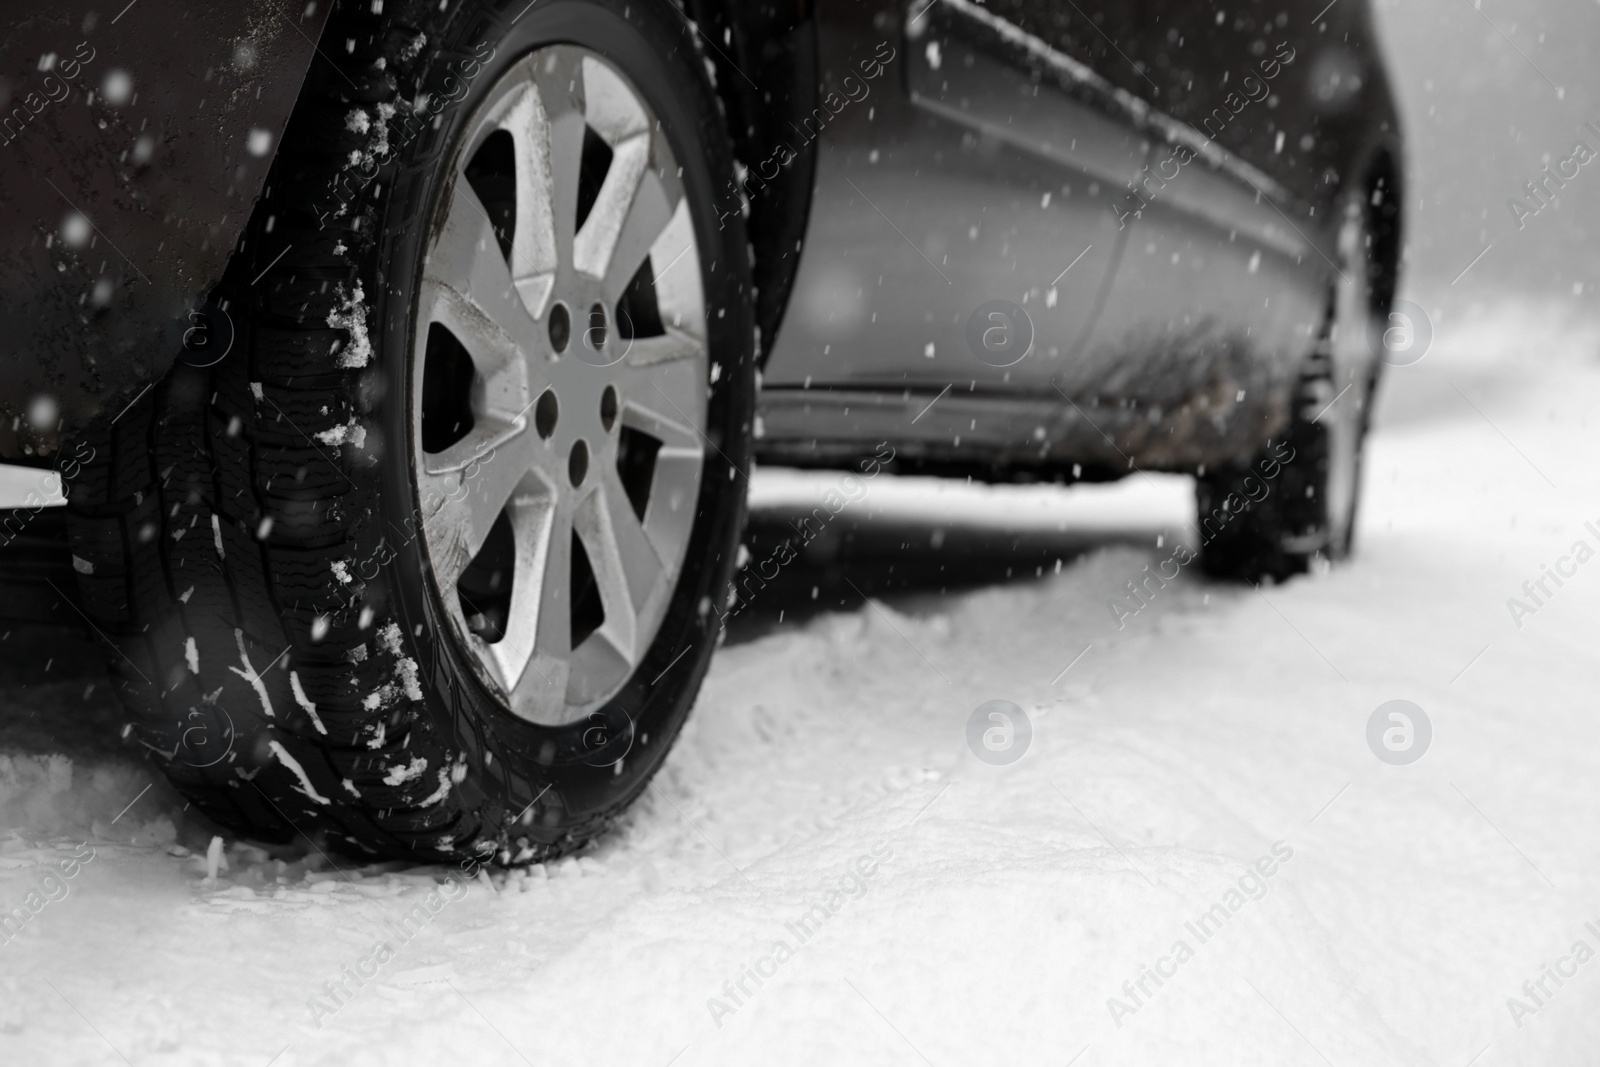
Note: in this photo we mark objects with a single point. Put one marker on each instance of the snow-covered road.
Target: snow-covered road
(1197, 860)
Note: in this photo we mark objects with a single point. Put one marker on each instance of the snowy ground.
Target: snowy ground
(1006, 904)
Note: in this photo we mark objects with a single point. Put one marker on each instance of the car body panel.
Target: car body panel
(1179, 348)
(160, 136)
(954, 180)
(880, 222)
(1186, 61)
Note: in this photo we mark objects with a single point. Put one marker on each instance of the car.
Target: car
(386, 379)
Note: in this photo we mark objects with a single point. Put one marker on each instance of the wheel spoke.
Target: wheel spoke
(626, 550)
(501, 387)
(674, 494)
(610, 106)
(557, 144)
(676, 262)
(534, 246)
(463, 492)
(467, 289)
(533, 656)
(666, 400)
(629, 215)
(627, 574)
(669, 347)
(466, 281)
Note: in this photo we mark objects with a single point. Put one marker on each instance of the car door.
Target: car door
(1220, 290)
(962, 184)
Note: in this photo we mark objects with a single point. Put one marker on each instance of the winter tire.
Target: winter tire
(1297, 499)
(426, 566)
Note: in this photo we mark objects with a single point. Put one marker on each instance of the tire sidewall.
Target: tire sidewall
(1342, 528)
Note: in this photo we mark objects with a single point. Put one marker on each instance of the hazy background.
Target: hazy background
(1480, 121)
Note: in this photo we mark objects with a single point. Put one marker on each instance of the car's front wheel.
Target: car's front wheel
(426, 564)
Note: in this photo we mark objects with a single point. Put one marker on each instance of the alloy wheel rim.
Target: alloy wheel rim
(559, 396)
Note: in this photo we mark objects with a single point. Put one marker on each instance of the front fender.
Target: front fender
(133, 144)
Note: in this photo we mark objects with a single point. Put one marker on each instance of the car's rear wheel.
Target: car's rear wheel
(1297, 499)
(426, 565)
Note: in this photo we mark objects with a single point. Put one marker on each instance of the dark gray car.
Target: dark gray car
(401, 369)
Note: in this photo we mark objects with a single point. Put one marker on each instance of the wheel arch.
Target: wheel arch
(764, 60)
(166, 184)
